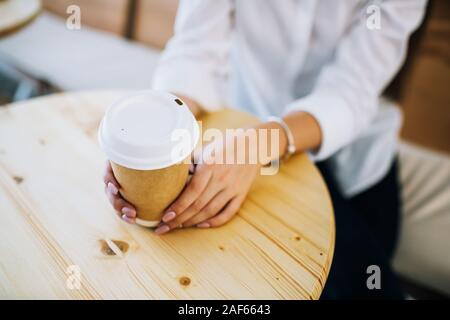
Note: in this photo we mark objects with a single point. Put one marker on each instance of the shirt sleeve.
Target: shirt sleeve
(196, 59)
(345, 98)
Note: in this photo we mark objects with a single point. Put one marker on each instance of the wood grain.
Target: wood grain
(55, 215)
(15, 14)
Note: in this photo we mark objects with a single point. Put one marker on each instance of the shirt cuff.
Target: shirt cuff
(189, 79)
(334, 118)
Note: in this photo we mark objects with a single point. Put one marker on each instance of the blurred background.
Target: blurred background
(118, 47)
(120, 40)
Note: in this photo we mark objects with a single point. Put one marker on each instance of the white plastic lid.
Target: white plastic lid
(148, 130)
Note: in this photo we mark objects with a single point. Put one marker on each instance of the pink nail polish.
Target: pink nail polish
(128, 219)
(169, 216)
(163, 229)
(203, 225)
(131, 213)
(112, 188)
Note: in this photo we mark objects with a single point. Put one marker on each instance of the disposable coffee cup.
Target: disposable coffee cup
(148, 138)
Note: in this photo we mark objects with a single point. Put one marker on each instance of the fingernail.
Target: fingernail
(163, 229)
(131, 213)
(169, 216)
(112, 188)
(127, 219)
(203, 225)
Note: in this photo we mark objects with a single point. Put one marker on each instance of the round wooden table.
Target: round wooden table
(14, 14)
(59, 237)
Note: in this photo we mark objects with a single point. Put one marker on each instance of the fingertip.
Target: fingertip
(162, 229)
(217, 221)
(129, 212)
(112, 188)
(128, 219)
(110, 196)
(169, 216)
(203, 225)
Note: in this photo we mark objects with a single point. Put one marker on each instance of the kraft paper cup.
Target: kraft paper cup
(148, 137)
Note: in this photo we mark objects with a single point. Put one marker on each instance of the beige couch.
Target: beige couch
(423, 253)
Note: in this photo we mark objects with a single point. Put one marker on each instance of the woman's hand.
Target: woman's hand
(124, 209)
(216, 190)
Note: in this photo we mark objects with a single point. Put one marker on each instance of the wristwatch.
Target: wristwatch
(291, 149)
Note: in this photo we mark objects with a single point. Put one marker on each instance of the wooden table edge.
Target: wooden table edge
(319, 285)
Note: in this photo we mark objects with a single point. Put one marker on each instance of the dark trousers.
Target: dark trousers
(366, 233)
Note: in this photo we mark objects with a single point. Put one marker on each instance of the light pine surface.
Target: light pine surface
(54, 215)
(15, 14)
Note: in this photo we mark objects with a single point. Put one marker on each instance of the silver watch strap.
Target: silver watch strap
(290, 137)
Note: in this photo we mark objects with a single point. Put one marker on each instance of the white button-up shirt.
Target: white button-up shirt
(330, 58)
